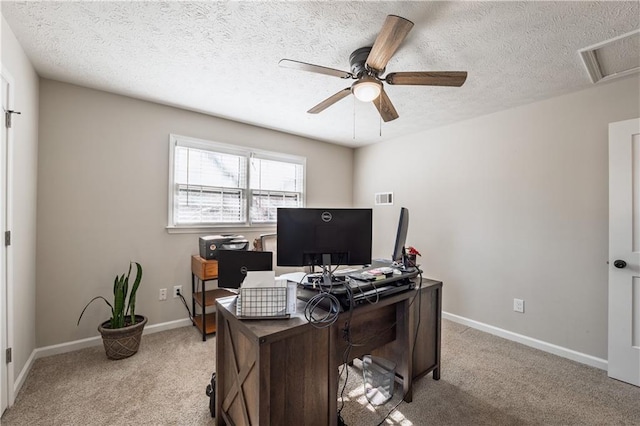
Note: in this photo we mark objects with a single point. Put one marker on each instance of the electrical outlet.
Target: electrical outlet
(177, 289)
(518, 305)
(163, 294)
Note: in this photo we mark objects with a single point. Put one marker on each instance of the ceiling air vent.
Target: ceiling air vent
(384, 198)
(613, 58)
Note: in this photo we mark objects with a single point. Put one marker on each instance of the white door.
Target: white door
(4, 379)
(624, 251)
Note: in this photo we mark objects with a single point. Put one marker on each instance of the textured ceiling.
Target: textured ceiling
(221, 58)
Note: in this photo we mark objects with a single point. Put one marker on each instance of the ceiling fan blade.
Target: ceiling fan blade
(385, 107)
(297, 65)
(393, 32)
(330, 101)
(426, 78)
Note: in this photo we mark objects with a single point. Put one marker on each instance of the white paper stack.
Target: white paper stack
(262, 296)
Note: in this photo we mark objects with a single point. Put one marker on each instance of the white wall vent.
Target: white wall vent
(384, 198)
(613, 58)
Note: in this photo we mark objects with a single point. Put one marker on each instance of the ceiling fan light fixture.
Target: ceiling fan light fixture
(367, 89)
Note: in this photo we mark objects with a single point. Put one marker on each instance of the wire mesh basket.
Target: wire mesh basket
(262, 303)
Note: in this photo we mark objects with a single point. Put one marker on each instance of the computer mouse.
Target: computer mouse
(397, 271)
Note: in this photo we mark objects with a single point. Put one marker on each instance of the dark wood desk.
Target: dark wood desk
(286, 371)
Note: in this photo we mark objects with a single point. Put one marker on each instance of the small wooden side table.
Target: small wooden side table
(203, 271)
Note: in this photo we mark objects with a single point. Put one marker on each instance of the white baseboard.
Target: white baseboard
(580, 357)
(81, 344)
(17, 385)
(97, 340)
(155, 328)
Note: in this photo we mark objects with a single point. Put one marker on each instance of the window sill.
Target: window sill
(233, 229)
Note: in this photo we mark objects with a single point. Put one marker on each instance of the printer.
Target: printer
(211, 244)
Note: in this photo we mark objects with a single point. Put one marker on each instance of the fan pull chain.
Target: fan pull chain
(354, 117)
(380, 115)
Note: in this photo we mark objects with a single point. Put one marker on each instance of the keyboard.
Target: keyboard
(317, 278)
(337, 277)
(373, 294)
(359, 297)
(361, 291)
(342, 272)
(372, 274)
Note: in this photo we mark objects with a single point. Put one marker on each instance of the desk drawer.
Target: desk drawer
(204, 269)
(369, 331)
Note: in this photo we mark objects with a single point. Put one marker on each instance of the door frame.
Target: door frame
(6, 254)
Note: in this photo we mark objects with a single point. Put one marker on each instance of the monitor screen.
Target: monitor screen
(234, 264)
(401, 235)
(305, 235)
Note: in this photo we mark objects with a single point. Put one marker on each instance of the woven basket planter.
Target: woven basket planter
(122, 342)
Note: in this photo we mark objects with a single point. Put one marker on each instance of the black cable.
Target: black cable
(351, 344)
(377, 293)
(362, 292)
(327, 317)
(185, 305)
(331, 317)
(377, 332)
(346, 354)
(324, 300)
(345, 361)
(415, 338)
(319, 281)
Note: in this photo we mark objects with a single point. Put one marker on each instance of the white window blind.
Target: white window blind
(213, 184)
(274, 184)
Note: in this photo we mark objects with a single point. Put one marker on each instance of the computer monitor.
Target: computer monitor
(234, 264)
(311, 236)
(401, 237)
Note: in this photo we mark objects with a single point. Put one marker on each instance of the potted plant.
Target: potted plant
(121, 334)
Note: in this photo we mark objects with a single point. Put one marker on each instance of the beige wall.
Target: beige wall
(22, 205)
(102, 200)
(510, 205)
(513, 204)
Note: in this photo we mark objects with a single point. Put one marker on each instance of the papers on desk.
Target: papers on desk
(296, 277)
(257, 279)
(262, 295)
(293, 279)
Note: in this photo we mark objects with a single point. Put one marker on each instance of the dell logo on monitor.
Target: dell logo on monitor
(326, 217)
(243, 270)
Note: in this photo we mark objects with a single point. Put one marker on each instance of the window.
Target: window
(214, 184)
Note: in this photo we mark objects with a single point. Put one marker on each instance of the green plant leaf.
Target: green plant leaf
(132, 297)
(126, 286)
(120, 292)
(118, 305)
(87, 305)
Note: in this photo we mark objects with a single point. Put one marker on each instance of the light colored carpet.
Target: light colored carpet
(485, 380)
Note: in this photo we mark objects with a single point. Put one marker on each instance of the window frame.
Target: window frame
(247, 152)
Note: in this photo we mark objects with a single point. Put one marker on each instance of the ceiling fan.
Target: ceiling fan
(367, 66)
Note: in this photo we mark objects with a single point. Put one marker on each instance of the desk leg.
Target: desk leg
(221, 353)
(204, 314)
(193, 300)
(405, 337)
(436, 371)
(194, 289)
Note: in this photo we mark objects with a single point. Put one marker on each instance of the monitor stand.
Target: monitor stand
(326, 270)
